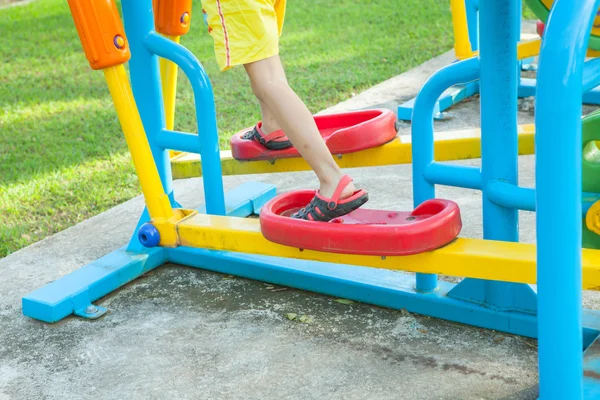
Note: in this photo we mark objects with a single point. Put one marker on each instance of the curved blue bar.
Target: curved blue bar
(206, 116)
(422, 125)
(145, 82)
(558, 180)
(422, 136)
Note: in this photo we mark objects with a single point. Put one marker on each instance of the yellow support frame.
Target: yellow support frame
(472, 258)
(462, 44)
(168, 79)
(157, 201)
(451, 145)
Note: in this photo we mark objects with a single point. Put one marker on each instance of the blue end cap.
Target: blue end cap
(148, 235)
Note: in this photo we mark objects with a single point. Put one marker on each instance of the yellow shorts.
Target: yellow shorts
(244, 31)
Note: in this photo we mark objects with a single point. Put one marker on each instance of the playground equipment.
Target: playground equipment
(465, 21)
(497, 269)
(343, 133)
(541, 8)
(449, 146)
(172, 20)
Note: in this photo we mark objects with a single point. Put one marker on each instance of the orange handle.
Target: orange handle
(101, 32)
(172, 17)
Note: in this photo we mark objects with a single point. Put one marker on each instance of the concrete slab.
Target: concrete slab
(185, 333)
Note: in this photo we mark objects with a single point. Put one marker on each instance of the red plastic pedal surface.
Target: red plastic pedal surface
(432, 225)
(540, 27)
(343, 133)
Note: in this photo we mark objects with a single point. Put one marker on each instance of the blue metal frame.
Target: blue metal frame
(553, 315)
(558, 181)
(459, 92)
(498, 81)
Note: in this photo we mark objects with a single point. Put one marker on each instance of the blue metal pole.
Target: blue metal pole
(472, 8)
(558, 192)
(422, 137)
(499, 146)
(206, 117)
(145, 82)
(498, 87)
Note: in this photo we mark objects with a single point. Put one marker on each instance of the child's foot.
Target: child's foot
(342, 202)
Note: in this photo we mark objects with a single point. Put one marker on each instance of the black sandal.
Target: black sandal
(324, 210)
(273, 141)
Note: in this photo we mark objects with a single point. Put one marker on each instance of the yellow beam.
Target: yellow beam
(157, 201)
(528, 48)
(454, 145)
(168, 79)
(525, 49)
(462, 44)
(473, 258)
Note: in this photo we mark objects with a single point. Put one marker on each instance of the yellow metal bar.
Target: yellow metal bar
(131, 123)
(525, 49)
(473, 258)
(168, 79)
(528, 48)
(454, 145)
(531, 48)
(462, 44)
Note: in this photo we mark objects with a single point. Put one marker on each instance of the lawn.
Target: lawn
(62, 154)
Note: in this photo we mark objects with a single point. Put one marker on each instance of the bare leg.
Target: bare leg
(270, 86)
(269, 122)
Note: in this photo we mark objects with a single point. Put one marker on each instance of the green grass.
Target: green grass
(62, 154)
(527, 13)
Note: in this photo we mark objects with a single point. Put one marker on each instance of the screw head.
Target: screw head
(185, 18)
(119, 42)
(91, 309)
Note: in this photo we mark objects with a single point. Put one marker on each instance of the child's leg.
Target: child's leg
(269, 122)
(270, 86)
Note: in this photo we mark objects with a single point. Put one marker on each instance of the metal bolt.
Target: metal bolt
(185, 18)
(91, 309)
(119, 42)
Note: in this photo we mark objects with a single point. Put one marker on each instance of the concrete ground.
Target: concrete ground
(183, 333)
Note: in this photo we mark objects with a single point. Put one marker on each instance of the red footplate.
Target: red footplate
(432, 225)
(540, 27)
(343, 133)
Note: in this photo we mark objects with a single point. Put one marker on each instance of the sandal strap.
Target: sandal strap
(335, 199)
(317, 209)
(276, 140)
(271, 136)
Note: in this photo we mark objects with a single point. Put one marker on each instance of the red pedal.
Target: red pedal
(540, 26)
(343, 133)
(432, 225)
